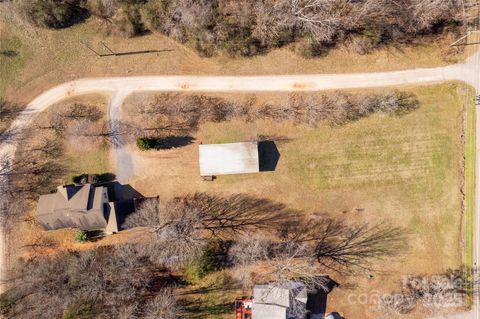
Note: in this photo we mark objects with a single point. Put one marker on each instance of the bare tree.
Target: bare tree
(294, 260)
(433, 293)
(395, 102)
(427, 12)
(185, 225)
(397, 304)
(250, 249)
(308, 249)
(321, 18)
(86, 134)
(213, 214)
(58, 119)
(163, 306)
(115, 280)
(147, 215)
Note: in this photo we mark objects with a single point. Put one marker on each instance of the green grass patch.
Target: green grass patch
(95, 161)
(212, 299)
(13, 56)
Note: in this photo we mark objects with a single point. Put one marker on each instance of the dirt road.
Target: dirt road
(122, 87)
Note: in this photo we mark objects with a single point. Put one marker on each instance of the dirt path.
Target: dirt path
(121, 87)
(123, 161)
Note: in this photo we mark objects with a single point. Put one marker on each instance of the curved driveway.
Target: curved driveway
(120, 87)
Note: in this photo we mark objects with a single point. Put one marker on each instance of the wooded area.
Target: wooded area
(250, 27)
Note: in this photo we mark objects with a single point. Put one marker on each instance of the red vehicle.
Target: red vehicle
(243, 308)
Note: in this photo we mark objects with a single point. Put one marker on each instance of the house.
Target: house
(285, 301)
(228, 158)
(85, 207)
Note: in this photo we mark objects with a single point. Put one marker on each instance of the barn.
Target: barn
(228, 158)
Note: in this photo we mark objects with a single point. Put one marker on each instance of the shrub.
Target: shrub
(309, 49)
(79, 310)
(145, 143)
(81, 236)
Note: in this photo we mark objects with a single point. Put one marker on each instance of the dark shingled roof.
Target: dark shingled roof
(72, 206)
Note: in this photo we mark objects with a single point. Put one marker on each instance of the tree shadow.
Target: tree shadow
(344, 248)
(235, 213)
(268, 156)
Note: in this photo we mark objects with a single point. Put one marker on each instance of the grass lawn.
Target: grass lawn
(404, 170)
(91, 162)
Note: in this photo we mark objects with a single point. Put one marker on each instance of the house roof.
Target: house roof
(280, 294)
(228, 158)
(274, 301)
(80, 207)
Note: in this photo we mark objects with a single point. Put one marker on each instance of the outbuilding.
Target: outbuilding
(228, 158)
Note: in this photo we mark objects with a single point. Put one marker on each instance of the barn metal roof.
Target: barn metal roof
(228, 158)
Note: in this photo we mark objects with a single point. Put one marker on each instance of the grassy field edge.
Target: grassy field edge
(470, 139)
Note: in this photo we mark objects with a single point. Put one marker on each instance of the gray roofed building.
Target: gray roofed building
(285, 301)
(85, 207)
(228, 158)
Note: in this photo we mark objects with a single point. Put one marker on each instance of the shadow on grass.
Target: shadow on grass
(164, 143)
(199, 310)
